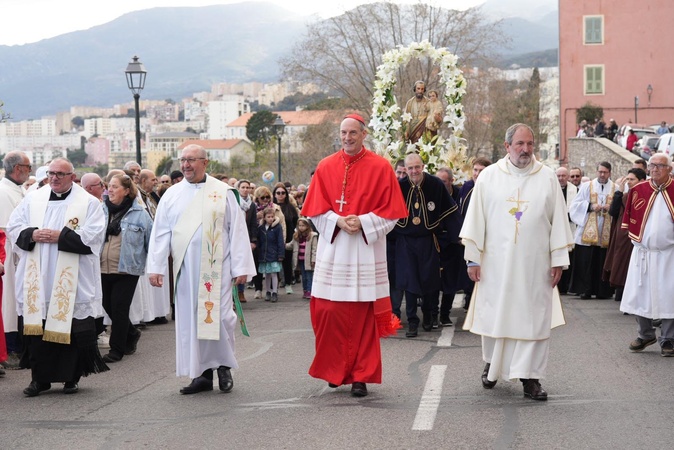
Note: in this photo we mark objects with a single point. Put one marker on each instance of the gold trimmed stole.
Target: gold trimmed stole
(64, 289)
(591, 232)
(207, 209)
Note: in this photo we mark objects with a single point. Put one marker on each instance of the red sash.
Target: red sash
(639, 204)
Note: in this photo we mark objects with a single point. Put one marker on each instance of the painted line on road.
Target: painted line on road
(446, 337)
(430, 400)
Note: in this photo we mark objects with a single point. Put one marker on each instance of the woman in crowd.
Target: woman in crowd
(122, 262)
(262, 199)
(290, 212)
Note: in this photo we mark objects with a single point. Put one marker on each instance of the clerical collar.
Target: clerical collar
(13, 180)
(202, 181)
(58, 197)
(349, 158)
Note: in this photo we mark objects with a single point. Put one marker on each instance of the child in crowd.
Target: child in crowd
(271, 250)
(304, 245)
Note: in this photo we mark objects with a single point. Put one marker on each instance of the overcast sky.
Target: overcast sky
(26, 21)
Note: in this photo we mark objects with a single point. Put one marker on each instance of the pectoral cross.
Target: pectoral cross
(341, 202)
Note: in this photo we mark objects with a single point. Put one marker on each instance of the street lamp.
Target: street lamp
(278, 127)
(649, 91)
(636, 107)
(135, 79)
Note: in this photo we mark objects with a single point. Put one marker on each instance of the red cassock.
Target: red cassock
(347, 332)
(3, 345)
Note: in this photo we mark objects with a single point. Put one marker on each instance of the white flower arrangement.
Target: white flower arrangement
(388, 125)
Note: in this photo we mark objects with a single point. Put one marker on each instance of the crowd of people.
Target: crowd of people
(87, 263)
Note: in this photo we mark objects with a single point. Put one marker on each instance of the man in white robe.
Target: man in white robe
(48, 225)
(17, 170)
(197, 357)
(649, 217)
(589, 211)
(569, 190)
(517, 236)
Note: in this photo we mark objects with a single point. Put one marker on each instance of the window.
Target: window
(594, 80)
(594, 29)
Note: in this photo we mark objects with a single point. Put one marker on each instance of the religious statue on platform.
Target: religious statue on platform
(418, 107)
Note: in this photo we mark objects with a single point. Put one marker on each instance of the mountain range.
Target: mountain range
(184, 50)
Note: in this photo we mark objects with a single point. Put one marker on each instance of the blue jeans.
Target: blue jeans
(307, 276)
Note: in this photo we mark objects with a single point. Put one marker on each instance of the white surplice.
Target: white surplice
(578, 210)
(11, 195)
(517, 229)
(649, 284)
(88, 296)
(194, 356)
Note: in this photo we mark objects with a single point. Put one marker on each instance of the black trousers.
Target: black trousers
(118, 292)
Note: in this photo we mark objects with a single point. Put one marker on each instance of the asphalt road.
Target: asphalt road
(600, 394)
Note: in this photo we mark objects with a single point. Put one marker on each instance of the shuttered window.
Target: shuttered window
(594, 29)
(594, 80)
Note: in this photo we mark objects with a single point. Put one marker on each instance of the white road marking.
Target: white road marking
(430, 400)
(446, 336)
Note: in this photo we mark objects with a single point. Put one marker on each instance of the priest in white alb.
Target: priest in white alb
(516, 236)
(200, 223)
(58, 233)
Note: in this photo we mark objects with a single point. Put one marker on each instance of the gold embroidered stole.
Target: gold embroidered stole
(207, 209)
(591, 233)
(64, 289)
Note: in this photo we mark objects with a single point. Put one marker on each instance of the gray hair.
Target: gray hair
(447, 170)
(510, 132)
(72, 168)
(202, 151)
(11, 160)
(131, 164)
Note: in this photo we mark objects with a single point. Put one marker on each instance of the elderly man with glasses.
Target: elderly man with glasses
(17, 171)
(58, 234)
(199, 222)
(93, 184)
(648, 288)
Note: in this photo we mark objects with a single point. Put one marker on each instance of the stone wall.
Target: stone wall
(586, 153)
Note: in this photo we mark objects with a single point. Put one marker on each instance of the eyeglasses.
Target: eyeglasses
(265, 197)
(166, 182)
(190, 160)
(574, 176)
(657, 166)
(280, 193)
(30, 166)
(58, 175)
(100, 184)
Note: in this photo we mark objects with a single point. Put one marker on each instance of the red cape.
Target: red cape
(639, 204)
(371, 187)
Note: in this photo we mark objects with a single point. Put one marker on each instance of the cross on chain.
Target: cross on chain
(341, 202)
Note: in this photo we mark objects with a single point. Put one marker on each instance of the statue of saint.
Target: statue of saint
(417, 106)
(435, 111)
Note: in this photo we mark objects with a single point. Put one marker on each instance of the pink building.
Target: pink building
(97, 150)
(612, 53)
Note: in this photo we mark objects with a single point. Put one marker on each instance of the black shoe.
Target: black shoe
(585, 296)
(358, 389)
(412, 331)
(533, 389)
(333, 386)
(70, 387)
(445, 321)
(225, 380)
(199, 384)
(35, 387)
(132, 345)
(486, 383)
(2, 372)
(427, 323)
(158, 321)
(111, 357)
(434, 322)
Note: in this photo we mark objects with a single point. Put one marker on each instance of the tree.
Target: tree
(589, 112)
(3, 115)
(164, 166)
(77, 157)
(77, 121)
(258, 124)
(102, 170)
(342, 53)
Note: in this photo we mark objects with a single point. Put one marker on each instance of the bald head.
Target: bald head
(93, 184)
(148, 180)
(562, 176)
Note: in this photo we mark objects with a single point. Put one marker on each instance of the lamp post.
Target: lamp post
(649, 91)
(636, 107)
(135, 79)
(278, 127)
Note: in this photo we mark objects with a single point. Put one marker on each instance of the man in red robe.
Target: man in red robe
(354, 200)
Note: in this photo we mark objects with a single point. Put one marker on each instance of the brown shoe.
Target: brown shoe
(242, 297)
(533, 389)
(639, 344)
(486, 383)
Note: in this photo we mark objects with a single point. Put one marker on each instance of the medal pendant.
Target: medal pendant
(416, 221)
(416, 205)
